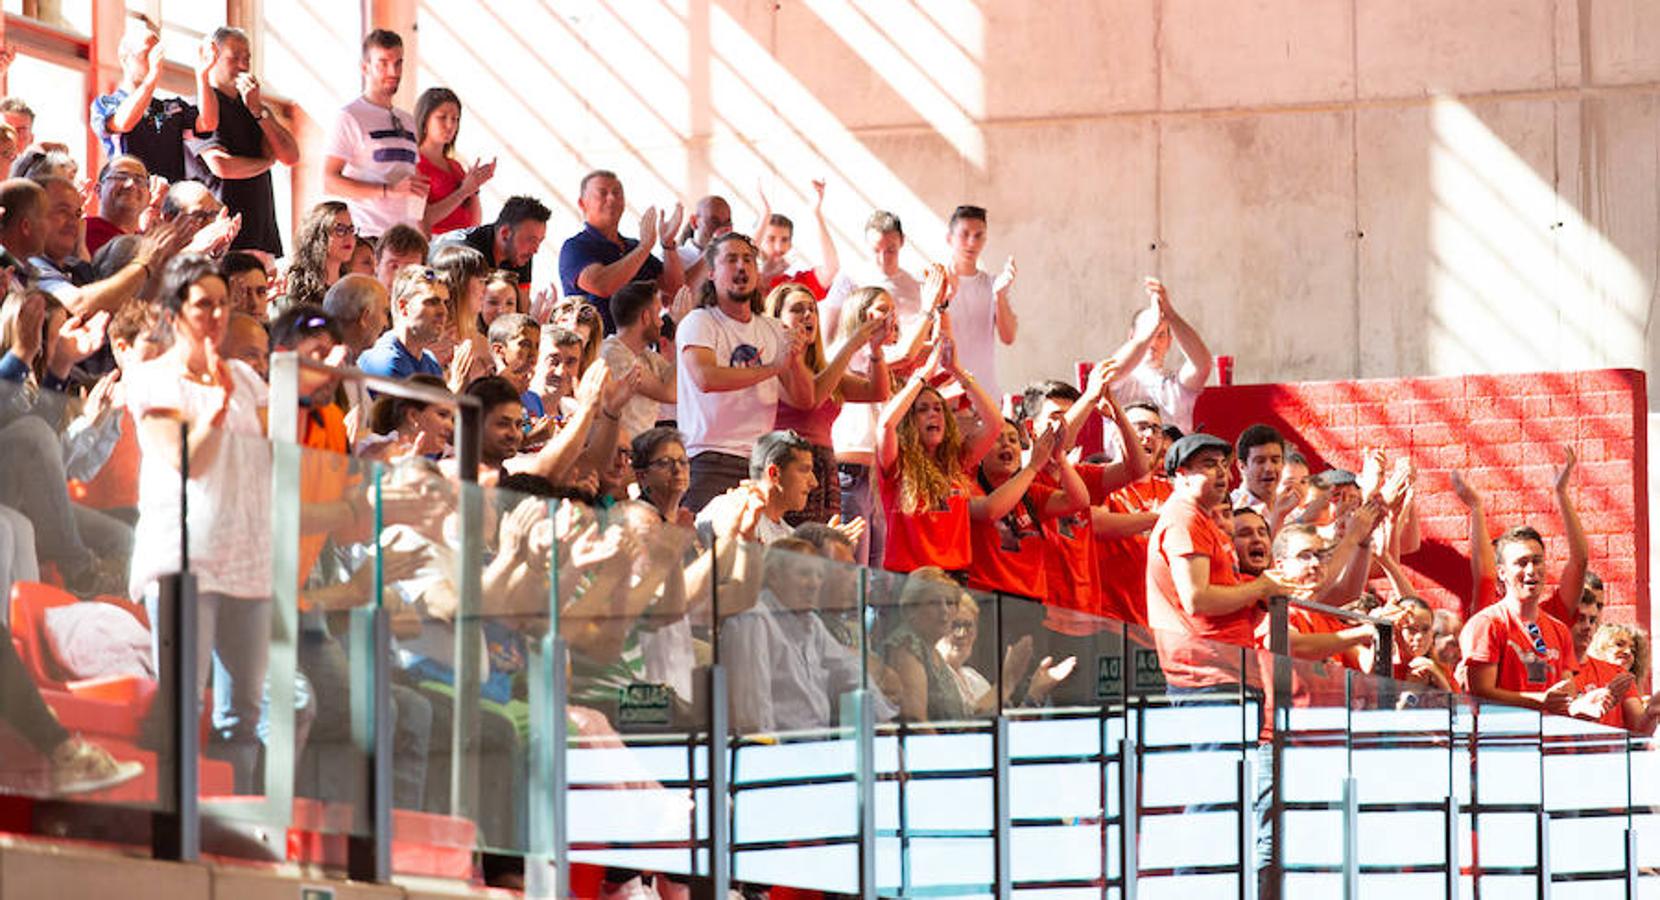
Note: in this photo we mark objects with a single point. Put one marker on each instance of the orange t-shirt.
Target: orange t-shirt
(116, 484)
(1191, 646)
(929, 537)
(1070, 562)
(1498, 635)
(1313, 681)
(1595, 673)
(1121, 563)
(1009, 552)
(325, 475)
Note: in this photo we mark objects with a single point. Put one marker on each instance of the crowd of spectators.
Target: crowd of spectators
(698, 395)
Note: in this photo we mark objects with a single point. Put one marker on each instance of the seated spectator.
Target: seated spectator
(1514, 651)
(452, 198)
(1609, 679)
(70, 279)
(9, 148)
(780, 478)
(323, 246)
(583, 318)
(598, 260)
(777, 237)
(110, 480)
(247, 340)
(924, 461)
(464, 269)
(413, 428)
(363, 258)
(514, 340)
(833, 383)
(400, 246)
(501, 296)
(370, 158)
(637, 311)
(1142, 377)
(511, 241)
(47, 161)
(359, 305)
(133, 120)
(221, 404)
(420, 313)
(250, 289)
(958, 647)
(787, 672)
(734, 363)
(928, 688)
(124, 197)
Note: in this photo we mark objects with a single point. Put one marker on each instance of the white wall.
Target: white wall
(1332, 189)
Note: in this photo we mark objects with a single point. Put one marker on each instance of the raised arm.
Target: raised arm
(1565, 599)
(604, 279)
(1196, 368)
(835, 372)
(207, 99)
(673, 275)
(132, 109)
(1005, 497)
(829, 262)
(1483, 567)
(887, 432)
(1008, 324)
(1130, 353)
(985, 406)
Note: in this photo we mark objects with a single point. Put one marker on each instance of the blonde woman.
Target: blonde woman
(1611, 676)
(833, 384)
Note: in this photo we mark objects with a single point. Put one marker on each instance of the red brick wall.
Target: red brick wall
(1503, 432)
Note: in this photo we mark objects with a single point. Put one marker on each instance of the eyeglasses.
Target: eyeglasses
(961, 627)
(1539, 645)
(670, 464)
(340, 230)
(127, 177)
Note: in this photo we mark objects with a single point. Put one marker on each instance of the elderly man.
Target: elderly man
(69, 278)
(123, 196)
(598, 260)
(358, 304)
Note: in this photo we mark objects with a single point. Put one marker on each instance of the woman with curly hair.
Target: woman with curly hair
(834, 382)
(924, 462)
(1610, 680)
(323, 247)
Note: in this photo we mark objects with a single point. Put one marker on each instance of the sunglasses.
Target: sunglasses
(1539, 645)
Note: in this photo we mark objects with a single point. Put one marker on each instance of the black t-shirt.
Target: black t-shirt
(483, 239)
(158, 138)
(239, 134)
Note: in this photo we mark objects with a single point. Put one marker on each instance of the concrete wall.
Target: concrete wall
(1350, 188)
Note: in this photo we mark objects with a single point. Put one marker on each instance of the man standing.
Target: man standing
(980, 312)
(777, 238)
(132, 119)
(1514, 652)
(1196, 598)
(733, 365)
(372, 151)
(1123, 521)
(598, 260)
(511, 241)
(637, 310)
(420, 310)
(235, 159)
(1260, 455)
(885, 237)
(711, 218)
(1143, 377)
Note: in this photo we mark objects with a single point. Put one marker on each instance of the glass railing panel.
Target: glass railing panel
(934, 794)
(89, 721)
(1311, 737)
(795, 678)
(1064, 700)
(635, 607)
(1400, 758)
(1504, 792)
(1586, 793)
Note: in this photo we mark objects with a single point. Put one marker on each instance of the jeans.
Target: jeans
(327, 769)
(21, 706)
(18, 561)
(235, 634)
(860, 498)
(713, 474)
(34, 483)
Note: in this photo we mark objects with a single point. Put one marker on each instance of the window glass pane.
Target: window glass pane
(57, 94)
(183, 23)
(70, 15)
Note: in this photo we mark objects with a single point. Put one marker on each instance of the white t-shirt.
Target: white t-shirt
(727, 421)
(378, 145)
(905, 290)
(974, 326)
(767, 529)
(640, 412)
(854, 433)
(229, 496)
(1162, 389)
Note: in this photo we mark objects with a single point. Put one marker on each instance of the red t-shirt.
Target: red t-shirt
(1498, 635)
(1121, 563)
(100, 231)
(807, 278)
(1070, 561)
(1595, 673)
(1190, 645)
(1313, 681)
(931, 537)
(1009, 552)
(446, 180)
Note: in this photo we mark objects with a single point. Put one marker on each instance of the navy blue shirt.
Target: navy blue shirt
(587, 247)
(389, 358)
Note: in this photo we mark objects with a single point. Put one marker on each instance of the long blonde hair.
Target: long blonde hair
(1639, 646)
(926, 479)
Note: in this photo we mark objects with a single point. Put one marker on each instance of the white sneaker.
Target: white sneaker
(79, 767)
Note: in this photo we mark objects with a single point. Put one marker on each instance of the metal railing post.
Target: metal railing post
(1129, 774)
(720, 834)
(176, 830)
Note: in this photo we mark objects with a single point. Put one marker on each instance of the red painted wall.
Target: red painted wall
(1503, 432)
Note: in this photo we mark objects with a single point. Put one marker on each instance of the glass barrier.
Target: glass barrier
(483, 683)
(88, 720)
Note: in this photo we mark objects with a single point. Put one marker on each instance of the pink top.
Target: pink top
(444, 183)
(814, 424)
